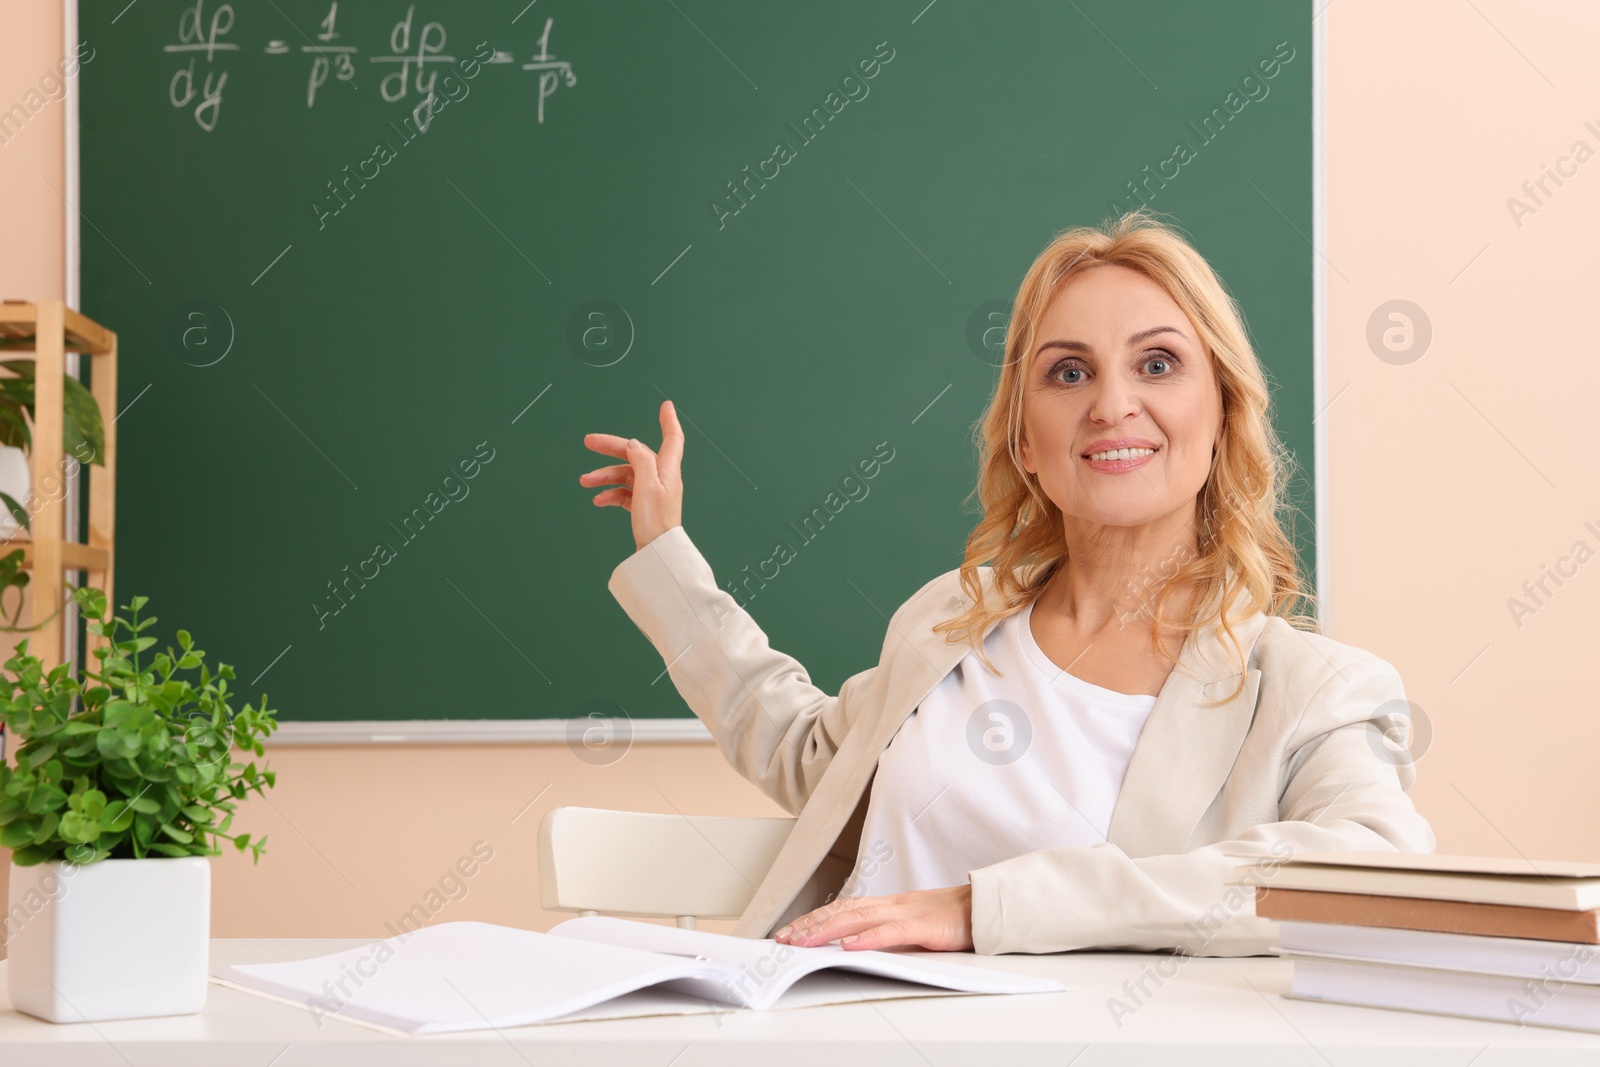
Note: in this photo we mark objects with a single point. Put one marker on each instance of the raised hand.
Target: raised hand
(649, 484)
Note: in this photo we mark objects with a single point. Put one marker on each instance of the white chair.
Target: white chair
(593, 861)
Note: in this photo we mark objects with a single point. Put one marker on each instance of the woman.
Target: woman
(1029, 767)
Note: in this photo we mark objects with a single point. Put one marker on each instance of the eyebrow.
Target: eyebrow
(1079, 346)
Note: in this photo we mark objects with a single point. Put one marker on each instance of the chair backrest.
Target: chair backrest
(595, 862)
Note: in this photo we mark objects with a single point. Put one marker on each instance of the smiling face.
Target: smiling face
(1117, 362)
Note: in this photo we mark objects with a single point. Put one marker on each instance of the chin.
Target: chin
(1133, 514)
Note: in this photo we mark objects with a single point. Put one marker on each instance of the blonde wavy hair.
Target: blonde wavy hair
(1244, 561)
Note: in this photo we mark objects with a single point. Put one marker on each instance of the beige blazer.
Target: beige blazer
(1296, 761)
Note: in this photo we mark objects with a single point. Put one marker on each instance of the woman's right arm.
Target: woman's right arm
(776, 728)
(772, 724)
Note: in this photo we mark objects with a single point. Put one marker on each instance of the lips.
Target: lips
(1106, 444)
(1116, 466)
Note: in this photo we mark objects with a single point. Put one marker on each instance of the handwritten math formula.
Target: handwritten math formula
(416, 48)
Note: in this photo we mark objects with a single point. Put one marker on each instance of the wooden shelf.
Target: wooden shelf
(50, 329)
(19, 322)
(74, 556)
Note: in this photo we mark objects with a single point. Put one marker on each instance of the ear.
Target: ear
(1027, 460)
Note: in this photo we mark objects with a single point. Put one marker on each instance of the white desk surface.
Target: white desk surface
(1213, 1011)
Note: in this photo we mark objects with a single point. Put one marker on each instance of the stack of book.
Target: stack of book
(1483, 938)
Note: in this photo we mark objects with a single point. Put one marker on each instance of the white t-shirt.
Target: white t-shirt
(990, 767)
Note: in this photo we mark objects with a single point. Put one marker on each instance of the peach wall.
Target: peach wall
(32, 214)
(1452, 480)
(1456, 478)
(357, 836)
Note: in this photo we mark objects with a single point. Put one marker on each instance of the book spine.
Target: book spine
(1419, 913)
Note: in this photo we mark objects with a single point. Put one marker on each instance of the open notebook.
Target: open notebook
(476, 976)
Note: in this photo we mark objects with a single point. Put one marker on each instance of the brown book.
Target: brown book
(1419, 913)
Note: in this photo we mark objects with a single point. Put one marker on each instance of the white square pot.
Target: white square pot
(116, 939)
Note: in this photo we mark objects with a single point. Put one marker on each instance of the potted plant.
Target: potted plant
(83, 439)
(124, 784)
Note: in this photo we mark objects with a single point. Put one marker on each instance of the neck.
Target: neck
(1114, 574)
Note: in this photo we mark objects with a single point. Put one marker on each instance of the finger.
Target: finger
(607, 444)
(643, 460)
(618, 474)
(892, 934)
(671, 458)
(621, 497)
(842, 923)
(817, 916)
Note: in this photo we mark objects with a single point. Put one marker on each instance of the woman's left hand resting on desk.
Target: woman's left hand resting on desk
(935, 919)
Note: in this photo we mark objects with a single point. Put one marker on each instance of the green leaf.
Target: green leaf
(91, 601)
(169, 850)
(94, 803)
(14, 420)
(37, 756)
(114, 744)
(18, 512)
(46, 797)
(83, 433)
(118, 816)
(176, 834)
(30, 855)
(81, 854)
(147, 805)
(16, 834)
(78, 828)
(83, 430)
(47, 826)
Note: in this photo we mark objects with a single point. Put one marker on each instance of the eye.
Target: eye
(1165, 362)
(1065, 366)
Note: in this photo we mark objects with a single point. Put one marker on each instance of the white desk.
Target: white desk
(1212, 1011)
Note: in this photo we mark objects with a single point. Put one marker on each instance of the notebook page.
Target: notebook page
(463, 976)
(761, 970)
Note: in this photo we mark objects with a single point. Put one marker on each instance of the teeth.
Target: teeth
(1121, 453)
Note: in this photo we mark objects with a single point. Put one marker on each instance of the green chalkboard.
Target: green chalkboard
(359, 356)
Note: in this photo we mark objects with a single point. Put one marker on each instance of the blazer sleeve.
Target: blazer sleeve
(1340, 795)
(774, 726)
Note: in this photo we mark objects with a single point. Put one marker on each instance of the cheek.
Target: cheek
(1189, 429)
(1050, 437)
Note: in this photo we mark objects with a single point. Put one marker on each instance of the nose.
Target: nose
(1114, 398)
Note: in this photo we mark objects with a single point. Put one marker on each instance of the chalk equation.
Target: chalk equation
(411, 65)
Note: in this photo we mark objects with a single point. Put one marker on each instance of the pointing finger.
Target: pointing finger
(607, 444)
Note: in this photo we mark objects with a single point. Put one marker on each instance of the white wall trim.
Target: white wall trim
(482, 731)
(73, 291)
(1319, 302)
(69, 45)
